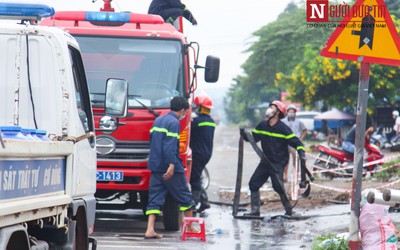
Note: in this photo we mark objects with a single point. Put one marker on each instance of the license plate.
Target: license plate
(110, 176)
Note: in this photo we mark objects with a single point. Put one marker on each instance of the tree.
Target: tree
(279, 47)
(286, 57)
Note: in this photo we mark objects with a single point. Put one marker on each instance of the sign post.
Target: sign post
(366, 34)
(359, 154)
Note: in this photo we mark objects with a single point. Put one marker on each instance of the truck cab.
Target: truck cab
(47, 143)
(158, 63)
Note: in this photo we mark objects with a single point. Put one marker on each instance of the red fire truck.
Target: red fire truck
(158, 63)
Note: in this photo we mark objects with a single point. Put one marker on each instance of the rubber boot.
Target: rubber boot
(255, 204)
(286, 205)
(204, 203)
(196, 198)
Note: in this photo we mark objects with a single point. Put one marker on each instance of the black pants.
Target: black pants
(261, 175)
(197, 169)
(173, 13)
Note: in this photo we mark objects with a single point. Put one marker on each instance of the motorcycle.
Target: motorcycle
(333, 158)
(379, 138)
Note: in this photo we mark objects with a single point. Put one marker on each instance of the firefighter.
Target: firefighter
(170, 10)
(167, 171)
(275, 137)
(201, 143)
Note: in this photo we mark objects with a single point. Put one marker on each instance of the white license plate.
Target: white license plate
(110, 176)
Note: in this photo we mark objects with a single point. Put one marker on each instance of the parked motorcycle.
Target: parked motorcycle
(379, 138)
(332, 158)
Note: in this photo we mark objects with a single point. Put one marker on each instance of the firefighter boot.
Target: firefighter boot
(204, 203)
(196, 195)
(255, 204)
(287, 205)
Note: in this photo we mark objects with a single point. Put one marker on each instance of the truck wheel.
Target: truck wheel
(171, 214)
(81, 231)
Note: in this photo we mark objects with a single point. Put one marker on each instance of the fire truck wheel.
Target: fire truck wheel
(81, 231)
(171, 215)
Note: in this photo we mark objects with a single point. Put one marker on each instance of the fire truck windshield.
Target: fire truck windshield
(153, 68)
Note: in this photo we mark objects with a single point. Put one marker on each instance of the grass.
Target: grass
(330, 242)
(385, 175)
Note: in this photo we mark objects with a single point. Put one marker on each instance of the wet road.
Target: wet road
(125, 229)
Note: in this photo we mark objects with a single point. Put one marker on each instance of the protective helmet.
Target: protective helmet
(291, 107)
(204, 101)
(281, 107)
(395, 113)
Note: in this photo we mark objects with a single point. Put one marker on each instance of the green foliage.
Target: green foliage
(285, 57)
(330, 242)
(385, 175)
(279, 47)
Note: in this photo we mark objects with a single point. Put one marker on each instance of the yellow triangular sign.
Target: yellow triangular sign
(367, 35)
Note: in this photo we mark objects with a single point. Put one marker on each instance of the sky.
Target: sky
(224, 27)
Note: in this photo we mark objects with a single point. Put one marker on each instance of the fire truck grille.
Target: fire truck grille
(127, 152)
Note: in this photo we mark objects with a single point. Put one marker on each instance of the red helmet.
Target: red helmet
(204, 101)
(281, 107)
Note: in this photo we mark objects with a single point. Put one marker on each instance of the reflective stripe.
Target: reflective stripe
(164, 130)
(273, 134)
(183, 209)
(300, 147)
(185, 9)
(154, 211)
(210, 124)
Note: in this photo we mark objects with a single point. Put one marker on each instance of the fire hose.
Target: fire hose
(264, 158)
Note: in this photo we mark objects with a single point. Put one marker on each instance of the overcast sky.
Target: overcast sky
(224, 26)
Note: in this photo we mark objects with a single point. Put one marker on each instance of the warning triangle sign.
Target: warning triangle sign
(367, 34)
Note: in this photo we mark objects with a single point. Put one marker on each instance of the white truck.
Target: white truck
(46, 186)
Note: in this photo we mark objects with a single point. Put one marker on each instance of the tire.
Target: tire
(205, 179)
(171, 214)
(81, 231)
(324, 164)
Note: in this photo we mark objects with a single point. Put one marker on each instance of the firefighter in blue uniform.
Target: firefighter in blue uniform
(201, 143)
(167, 171)
(170, 10)
(275, 136)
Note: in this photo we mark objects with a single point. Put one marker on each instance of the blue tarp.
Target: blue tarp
(333, 123)
(335, 119)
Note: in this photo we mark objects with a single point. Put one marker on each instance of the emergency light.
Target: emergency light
(103, 16)
(29, 11)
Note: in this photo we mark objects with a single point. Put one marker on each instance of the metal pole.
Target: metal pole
(358, 154)
(236, 197)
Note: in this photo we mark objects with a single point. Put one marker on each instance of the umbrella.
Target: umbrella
(335, 115)
(335, 119)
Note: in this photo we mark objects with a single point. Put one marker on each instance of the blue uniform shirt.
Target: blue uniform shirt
(202, 136)
(164, 144)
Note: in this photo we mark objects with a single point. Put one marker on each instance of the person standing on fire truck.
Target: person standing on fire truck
(167, 171)
(275, 137)
(201, 143)
(170, 10)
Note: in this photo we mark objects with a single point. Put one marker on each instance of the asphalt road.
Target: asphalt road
(125, 229)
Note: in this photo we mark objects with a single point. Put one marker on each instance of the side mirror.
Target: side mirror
(211, 73)
(116, 103)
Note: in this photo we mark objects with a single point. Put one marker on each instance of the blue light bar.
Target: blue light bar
(107, 16)
(25, 10)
